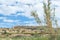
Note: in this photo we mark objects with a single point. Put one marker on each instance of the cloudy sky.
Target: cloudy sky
(18, 12)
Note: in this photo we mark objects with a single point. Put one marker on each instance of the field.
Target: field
(28, 38)
(25, 38)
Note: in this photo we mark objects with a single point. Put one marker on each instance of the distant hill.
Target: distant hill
(30, 27)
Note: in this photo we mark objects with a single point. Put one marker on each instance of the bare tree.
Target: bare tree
(47, 11)
(33, 13)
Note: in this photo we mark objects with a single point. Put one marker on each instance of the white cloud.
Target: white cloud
(2, 17)
(26, 15)
(7, 2)
(10, 20)
(56, 3)
(58, 12)
(27, 23)
(7, 10)
(29, 1)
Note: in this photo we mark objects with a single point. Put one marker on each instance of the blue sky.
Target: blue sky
(18, 12)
